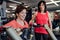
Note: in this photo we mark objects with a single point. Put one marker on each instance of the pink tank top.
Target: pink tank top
(41, 19)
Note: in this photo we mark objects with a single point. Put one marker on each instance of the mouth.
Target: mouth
(23, 17)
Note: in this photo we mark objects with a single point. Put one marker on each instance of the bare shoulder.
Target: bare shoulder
(48, 13)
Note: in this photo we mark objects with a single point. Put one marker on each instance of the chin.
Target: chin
(23, 19)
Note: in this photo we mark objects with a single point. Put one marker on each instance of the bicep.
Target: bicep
(50, 21)
(49, 16)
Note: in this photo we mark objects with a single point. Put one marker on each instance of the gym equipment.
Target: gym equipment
(24, 34)
(50, 32)
(32, 35)
(13, 34)
(2, 11)
(28, 34)
(0, 21)
(29, 14)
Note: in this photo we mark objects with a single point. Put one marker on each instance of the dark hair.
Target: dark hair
(19, 8)
(39, 10)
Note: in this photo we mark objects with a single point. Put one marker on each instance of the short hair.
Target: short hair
(19, 8)
(39, 10)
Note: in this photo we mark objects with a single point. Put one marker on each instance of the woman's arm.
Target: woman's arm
(50, 23)
(33, 17)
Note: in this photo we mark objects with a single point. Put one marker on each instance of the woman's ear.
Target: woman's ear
(16, 14)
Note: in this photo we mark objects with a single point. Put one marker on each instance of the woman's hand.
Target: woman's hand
(30, 23)
(33, 18)
(51, 28)
(18, 30)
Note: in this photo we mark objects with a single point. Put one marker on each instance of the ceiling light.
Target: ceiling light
(14, 8)
(54, 3)
(15, 1)
(11, 6)
(7, 11)
(26, 6)
(13, 14)
(57, 10)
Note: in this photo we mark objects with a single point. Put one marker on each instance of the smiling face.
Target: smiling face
(42, 7)
(22, 14)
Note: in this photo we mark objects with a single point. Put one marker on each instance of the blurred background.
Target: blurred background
(7, 9)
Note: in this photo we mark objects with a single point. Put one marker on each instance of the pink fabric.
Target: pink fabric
(41, 19)
(16, 25)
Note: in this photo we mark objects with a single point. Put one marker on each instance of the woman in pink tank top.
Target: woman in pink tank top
(41, 18)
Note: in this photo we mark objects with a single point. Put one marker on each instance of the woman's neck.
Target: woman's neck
(42, 11)
(21, 22)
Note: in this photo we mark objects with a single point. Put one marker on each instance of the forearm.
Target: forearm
(33, 17)
(32, 20)
(50, 24)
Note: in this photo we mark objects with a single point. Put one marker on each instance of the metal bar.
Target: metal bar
(50, 32)
(13, 34)
(52, 2)
(15, 1)
(3, 9)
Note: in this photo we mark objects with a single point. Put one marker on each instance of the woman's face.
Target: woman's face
(42, 7)
(22, 14)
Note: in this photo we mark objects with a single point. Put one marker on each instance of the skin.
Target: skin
(20, 20)
(42, 7)
(21, 16)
